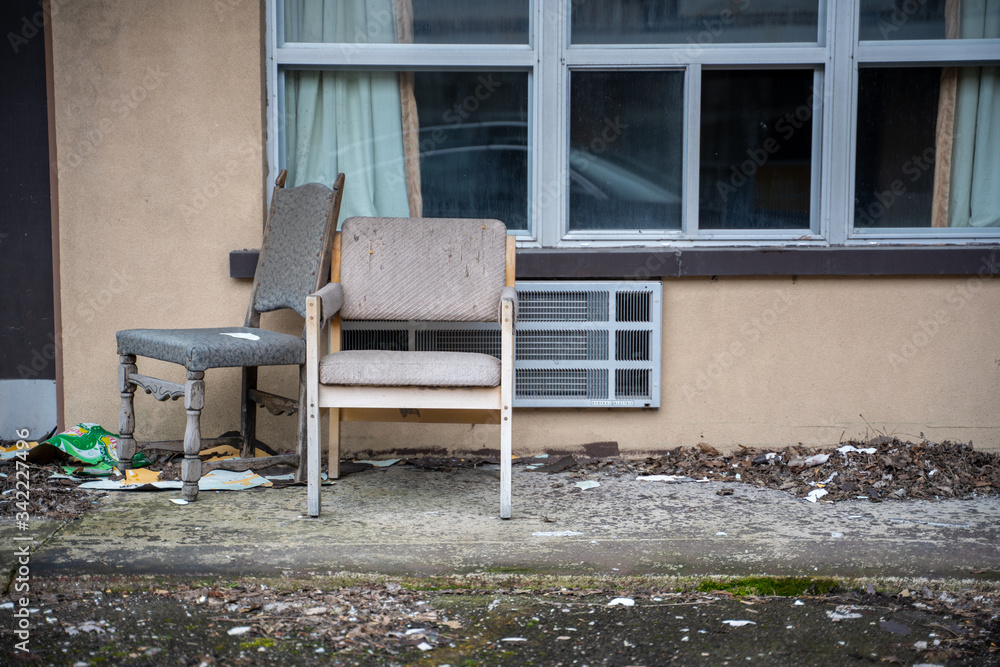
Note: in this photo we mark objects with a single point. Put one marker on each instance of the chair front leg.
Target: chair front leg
(126, 417)
(194, 401)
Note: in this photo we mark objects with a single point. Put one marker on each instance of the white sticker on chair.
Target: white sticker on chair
(247, 336)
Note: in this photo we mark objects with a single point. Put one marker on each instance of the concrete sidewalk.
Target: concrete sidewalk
(406, 521)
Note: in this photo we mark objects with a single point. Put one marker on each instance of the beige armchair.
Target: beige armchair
(412, 269)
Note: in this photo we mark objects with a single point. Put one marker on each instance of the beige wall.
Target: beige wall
(160, 135)
(159, 138)
(774, 361)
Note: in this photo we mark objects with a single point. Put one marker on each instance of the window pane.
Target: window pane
(695, 22)
(756, 149)
(909, 120)
(474, 145)
(928, 19)
(626, 143)
(407, 21)
(432, 144)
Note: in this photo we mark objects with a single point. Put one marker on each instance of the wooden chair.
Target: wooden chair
(412, 269)
(294, 261)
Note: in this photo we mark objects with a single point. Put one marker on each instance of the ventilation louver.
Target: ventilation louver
(578, 344)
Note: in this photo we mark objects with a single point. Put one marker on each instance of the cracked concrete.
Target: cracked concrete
(406, 521)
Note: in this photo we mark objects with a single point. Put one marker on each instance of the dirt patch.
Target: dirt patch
(122, 620)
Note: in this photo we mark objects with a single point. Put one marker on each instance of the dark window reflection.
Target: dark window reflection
(756, 149)
(626, 150)
(474, 145)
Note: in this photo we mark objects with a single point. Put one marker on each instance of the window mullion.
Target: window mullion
(839, 113)
(692, 151)
(551, 136)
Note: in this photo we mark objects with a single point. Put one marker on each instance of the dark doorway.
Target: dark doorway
(28, 359)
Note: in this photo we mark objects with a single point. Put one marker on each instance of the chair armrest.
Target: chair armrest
(508, 294)
(331, 298)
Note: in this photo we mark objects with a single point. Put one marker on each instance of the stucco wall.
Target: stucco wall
(777, 361)
(161, 173)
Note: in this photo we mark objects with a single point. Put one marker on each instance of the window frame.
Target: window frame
(549, 58)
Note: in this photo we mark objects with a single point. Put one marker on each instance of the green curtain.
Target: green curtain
(975, 169)
(345, 121)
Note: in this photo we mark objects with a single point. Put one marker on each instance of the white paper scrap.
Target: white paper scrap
(816, 494)
(587, 484)
(514, 639)
(239, 630)
(739, 624)
(663, 478)
(240, 334)
(624, 602)
(178, 501)
(381, 464)
(841, 616)
(846, 449)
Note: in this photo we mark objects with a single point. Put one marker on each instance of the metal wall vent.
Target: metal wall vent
(578, 344)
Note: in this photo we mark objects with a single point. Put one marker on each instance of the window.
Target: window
(623, 122)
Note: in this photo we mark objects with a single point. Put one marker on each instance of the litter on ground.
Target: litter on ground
(624, 602)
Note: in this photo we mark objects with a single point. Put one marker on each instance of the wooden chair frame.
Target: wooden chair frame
(193, 393)
(482, 405)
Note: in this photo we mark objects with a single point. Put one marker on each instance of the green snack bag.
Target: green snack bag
(93, 445)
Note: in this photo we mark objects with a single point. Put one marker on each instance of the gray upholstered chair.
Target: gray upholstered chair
(294, 261)
(412, 269)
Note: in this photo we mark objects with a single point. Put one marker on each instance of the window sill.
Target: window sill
(643, 263)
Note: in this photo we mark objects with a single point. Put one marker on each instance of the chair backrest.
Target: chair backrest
(295, 253)
(434, 269)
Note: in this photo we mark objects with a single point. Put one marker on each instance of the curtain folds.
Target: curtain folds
(346, 121)
(967, 168)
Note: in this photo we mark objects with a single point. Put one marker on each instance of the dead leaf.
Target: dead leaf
(709, 449)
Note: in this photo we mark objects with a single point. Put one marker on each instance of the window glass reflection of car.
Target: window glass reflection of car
(481, 170)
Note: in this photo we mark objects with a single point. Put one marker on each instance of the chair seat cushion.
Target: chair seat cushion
(201, 349)
(386, 368)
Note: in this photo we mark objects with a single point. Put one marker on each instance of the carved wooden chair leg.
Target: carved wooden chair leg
(303, 420)
(126, 417)
(248, 413)
(194, 401)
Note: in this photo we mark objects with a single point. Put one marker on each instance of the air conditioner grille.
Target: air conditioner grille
(562, 306)
(375, 339)
(562, 345)
(484, 341)
(632, 345)
(578, 344)
(633, 306)
(587, 383)
(632, 382)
